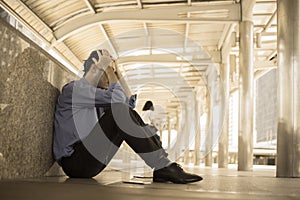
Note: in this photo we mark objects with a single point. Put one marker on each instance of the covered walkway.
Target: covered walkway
(217, 184)
(224, 73)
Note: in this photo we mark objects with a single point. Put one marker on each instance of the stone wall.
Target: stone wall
(30, 81)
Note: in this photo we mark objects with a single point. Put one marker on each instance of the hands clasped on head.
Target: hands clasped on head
(104, 59)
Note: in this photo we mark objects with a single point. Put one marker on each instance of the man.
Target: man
(93, 117)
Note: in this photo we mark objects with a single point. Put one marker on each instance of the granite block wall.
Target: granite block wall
(30, 81)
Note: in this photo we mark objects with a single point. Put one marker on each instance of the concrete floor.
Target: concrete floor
(217, 184)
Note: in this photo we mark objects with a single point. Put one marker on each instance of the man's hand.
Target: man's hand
(132, 101)
(104, 59)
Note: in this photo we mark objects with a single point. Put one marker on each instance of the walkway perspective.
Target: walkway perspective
(223, 184)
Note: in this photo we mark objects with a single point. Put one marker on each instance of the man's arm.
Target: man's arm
(111, 76)
(85, 95)
(120, 78)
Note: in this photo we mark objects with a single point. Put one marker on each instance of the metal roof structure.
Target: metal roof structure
(163, 47)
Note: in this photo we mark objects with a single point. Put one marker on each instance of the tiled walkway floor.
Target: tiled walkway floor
(217, 184)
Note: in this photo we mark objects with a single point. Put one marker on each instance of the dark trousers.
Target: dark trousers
(118, 124)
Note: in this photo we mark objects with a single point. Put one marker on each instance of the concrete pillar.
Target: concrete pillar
(223, 140)
(209, 129)
(198, 132)
(288, 128)
(169, 132)
(187, 135)
(245, 142)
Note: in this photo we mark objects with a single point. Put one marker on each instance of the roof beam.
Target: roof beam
(161, 58)
(247, 10)
(140, 4)
(269, 23)
(165, 81)
(34, 31)
(260, 65)
(146, 28)
(71, 52)
(266, 2)
(223, 36)
(171, 14)
(227, 42)
(148, 37)
(155, 95)
(272, 54)
(23, 22)
(187, 29)
(34, 15)
(108, 40)
(186, 37)
(90, 6)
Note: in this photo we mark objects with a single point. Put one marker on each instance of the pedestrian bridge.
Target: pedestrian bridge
(223, 75)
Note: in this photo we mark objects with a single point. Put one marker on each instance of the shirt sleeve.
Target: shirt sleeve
(118, 93)
(84, 95)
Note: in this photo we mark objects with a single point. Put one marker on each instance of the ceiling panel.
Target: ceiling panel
(188, 38)
(51, 11)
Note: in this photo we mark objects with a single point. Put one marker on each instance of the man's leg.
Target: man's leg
(139, 136)
(93, 153)
(81, 164)
(145, 143)
(138, 120)
(104, 142)
(105, 139)
(121, 123)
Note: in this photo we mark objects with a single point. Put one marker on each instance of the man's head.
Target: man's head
(94, 71)
(88, 63)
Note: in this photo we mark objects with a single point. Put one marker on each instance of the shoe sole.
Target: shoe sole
(161, 180)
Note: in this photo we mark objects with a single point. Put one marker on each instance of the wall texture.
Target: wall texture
(30, 81)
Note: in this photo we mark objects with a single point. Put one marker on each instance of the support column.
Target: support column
(223, 140)
(288, 127)
(187, 135)
(245, 142)
(209, 128)
(169, 132)
(198, 132)
(160, 134)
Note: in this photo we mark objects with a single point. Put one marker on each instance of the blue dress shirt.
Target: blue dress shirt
(75, 113)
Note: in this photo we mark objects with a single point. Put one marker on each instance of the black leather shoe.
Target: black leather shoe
(174, 173)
